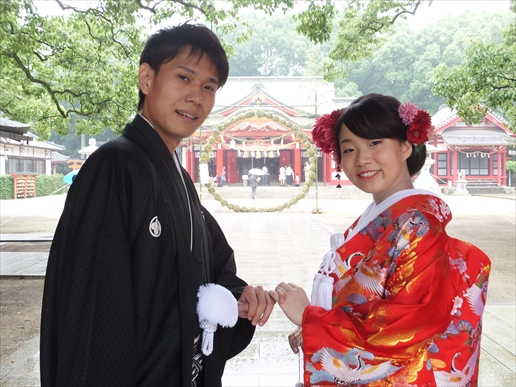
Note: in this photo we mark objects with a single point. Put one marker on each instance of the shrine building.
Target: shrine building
(255, 120)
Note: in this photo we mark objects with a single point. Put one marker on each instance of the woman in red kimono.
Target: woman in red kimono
(396, 301)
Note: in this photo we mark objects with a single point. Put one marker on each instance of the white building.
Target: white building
(21, 153)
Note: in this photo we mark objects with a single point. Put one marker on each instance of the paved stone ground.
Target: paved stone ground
(273, 247)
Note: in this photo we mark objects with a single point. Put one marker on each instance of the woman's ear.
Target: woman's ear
(145, 77)
(406, 149)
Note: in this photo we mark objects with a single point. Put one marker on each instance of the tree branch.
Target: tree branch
(42, 83)
(152, 10)
(413, 12)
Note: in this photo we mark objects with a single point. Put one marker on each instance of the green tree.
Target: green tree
(79, 66)
(485, 80)
(364, 27)
(404, 65)
(273, 49)
(82, 63)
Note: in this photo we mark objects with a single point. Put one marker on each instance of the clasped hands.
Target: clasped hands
(256, 304)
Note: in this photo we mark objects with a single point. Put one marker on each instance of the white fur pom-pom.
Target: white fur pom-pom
(216, 306)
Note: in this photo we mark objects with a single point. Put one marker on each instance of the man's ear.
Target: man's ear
(406, 149)
(145, 77)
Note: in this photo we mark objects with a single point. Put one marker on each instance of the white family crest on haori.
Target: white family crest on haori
(323, 283)
(216, 305)
(155, 227)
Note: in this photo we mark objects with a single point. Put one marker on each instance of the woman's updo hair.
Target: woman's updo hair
(375, 116)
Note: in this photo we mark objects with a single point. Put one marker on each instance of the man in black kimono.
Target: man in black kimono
(134, 244)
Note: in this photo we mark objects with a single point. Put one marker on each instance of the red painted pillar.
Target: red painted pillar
(455, 168)
(231, 170)
(297, 167)
(499, 166)
(189, 155)
(220, 160)
(329, 169)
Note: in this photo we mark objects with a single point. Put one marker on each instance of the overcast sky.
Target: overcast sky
(426, 15)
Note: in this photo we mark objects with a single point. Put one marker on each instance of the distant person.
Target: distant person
(297, 182)
(306, 170)
(281, 176)
(223, 180)
(253, 183)
(265, 176)
(245, 176)
(289, 174)
(396, 301)
(134, 247)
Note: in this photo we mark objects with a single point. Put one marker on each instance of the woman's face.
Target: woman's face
(375, 166)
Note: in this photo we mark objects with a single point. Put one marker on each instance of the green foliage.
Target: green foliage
(364, 27)
(346, 89)
(273, 49)
(80, 66)
(485, 80)
(316, 22)
(48, 185)
(6, 187)
(510, 166)
(404, 65)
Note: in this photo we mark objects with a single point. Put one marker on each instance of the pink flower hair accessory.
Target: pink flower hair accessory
(407, 111)
(419, 124)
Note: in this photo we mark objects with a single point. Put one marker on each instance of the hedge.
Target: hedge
(48, 185)
(6, 187)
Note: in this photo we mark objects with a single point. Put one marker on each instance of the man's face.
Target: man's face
(179, 97)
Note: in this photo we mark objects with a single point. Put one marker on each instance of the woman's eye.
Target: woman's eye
(376, 142)
(347, 150)
(184, 78)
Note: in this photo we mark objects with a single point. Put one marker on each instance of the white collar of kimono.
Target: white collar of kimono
(373, 210)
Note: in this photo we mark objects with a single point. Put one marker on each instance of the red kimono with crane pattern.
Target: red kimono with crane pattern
(407, 304)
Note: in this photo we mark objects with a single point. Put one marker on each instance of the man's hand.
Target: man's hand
(292, 299)
(255, 304)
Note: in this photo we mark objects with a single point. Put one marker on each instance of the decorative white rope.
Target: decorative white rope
(322, 287)
(216, 306)
(207, 336)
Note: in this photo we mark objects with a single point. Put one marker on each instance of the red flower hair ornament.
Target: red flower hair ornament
(419, 124)
(324, 132)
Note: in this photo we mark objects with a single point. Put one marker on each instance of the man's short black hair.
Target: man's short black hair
(167, 43)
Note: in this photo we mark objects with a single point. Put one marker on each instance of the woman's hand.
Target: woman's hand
(292, 299)
(295, 339)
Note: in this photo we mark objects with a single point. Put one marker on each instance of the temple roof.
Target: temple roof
(481, 136)
(305, 95)
(293, 99)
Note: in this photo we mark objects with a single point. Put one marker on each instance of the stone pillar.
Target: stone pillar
(425, 180)
(461, 184)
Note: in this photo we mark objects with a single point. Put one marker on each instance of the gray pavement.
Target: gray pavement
(288, 245)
